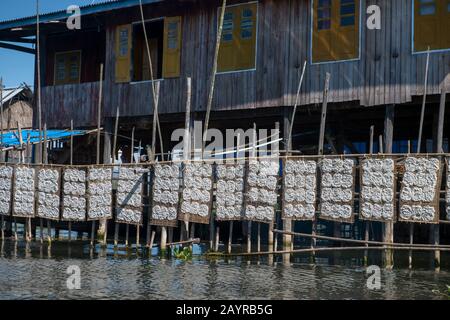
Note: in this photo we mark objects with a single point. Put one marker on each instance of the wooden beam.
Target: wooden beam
(16, 48)
(424, 100)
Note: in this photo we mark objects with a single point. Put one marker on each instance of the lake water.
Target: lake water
(34, 272)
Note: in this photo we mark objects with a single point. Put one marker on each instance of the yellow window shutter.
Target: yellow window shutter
(172, 47)
(228, 45)
(245, 34)
(426, 20)
(322, 30)
(345, 39)
(123, 53)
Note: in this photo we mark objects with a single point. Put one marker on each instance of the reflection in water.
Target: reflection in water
(27, 272)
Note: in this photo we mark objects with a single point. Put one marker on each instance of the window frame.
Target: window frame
(311, 37)
(55, 69)
(413, 48)
(133, 24)
(256, 36)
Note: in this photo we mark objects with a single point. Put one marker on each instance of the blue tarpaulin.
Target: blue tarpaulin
(11, 139)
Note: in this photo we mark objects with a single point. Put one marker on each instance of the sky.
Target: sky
(17, 67)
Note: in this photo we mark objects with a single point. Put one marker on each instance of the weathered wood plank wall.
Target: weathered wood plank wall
(386, 73)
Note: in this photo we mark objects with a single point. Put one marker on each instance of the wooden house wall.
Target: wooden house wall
(90, 43)
(387, 71)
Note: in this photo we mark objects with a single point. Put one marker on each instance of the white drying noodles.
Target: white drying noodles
(337, 189)
(48, 194)
(24, 192)
(197, 189)
(230, 191)
(418, 190)
(74, 190)
(100, 193)
(377, 189)
(300, 189)
(6, 173)
(166, 187)
(129, 195)
(262, 196)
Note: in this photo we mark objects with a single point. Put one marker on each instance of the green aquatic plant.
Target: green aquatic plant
(183, 253)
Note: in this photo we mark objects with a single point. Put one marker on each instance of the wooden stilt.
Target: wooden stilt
(258, 243)
(388, 234)
(138, 229)
(92, 233)
(367, 223)
(411, 241)
(249, 236)
(3, 223)
(49, 232)
(217, 239)
(15, 230)
(151, 242)
(116, 235)
(127, 234)
(70, 231)
(424, 100)
(230, 237)
(192, 231)
(163, 242)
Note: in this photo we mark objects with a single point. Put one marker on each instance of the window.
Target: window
(67, 67)
(238, 45)
(164, 42)
(431, 18)
(335, 30)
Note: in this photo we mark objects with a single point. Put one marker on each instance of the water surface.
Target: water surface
(34, 272)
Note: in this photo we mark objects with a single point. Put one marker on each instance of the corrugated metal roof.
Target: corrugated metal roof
(9, 94)
(105, 5)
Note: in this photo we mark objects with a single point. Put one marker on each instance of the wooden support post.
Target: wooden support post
(3, 228)
(163, 242)
(116, 235)
(138, 241)
(438, 148)
(258, 243)
(388, 234)
(49, 232)
(38, 153)
(127, 234)
(70, 231)
(287, 223)
(249, 236)
(230, 237)
(71, 142)
(367, 223)
(151, 242)
(216, 248)
(411, 241)
(44, 146)
(99, 114)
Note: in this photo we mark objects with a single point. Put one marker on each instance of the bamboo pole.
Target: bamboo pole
(213, 74)
(323, 120)
(99, 113)
(217, 239)
(187, 141)
(367, 223)
(38, 80)
(424, 100)
(297, 98)
(155, 89)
